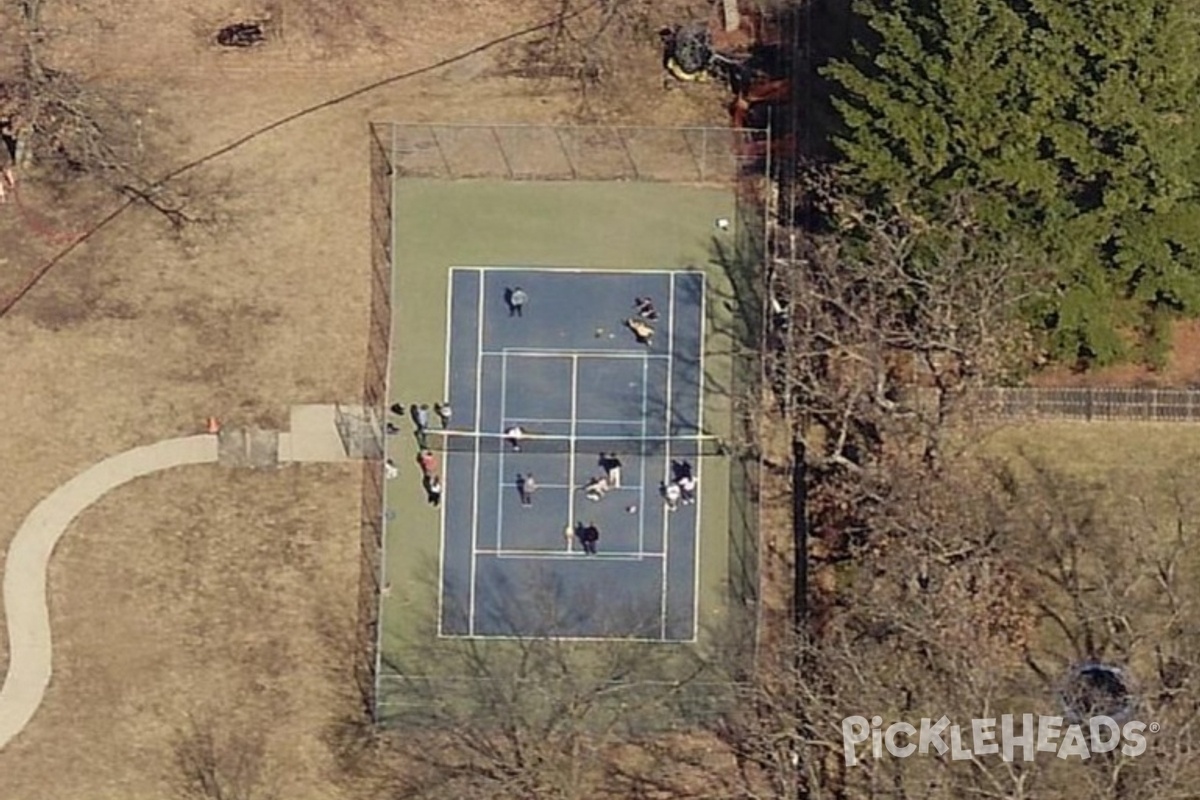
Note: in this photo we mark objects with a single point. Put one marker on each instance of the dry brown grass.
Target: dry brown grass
(208, 594)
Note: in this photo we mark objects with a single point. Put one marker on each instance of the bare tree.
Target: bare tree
(593, 44)
(212, 766)
(54, 119)
(532, 714)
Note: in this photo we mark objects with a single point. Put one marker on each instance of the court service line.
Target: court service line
(500, 476)
(446, 489)
(700, 493)
(558, 555)
(475, 479)
(565, 421)
(667, 465)
(567, 352)
(571, 445)
(542, 486)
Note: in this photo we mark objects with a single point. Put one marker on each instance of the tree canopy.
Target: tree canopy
(1071, 124)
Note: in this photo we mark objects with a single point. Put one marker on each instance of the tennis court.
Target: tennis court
(573, 378)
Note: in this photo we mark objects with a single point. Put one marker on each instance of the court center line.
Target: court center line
(475, 488)
(500, 477)
(571, 446)
(667, 462)
(700, 493)
(642, 457)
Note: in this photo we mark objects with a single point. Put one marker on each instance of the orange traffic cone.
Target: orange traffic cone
(214, 425)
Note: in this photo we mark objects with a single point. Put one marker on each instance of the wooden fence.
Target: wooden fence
(1145, 405)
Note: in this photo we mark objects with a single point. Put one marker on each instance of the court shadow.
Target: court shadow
(552, 600)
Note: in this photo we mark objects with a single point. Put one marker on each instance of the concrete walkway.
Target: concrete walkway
(28, 617)
(314, 437)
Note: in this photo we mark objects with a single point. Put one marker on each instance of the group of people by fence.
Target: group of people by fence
(420, 414)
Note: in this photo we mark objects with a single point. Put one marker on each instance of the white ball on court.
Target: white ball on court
(723, 223)
(631, 509)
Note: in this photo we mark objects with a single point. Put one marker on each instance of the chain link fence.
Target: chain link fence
(1092, 404)
(719, 157)
(523, 152)
(374, 402)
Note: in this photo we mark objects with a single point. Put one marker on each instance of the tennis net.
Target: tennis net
(530, 441)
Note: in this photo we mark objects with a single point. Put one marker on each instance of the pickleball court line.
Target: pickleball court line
(666, 532)
(482, 283)
(441, 595)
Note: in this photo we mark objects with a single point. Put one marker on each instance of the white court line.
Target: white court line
(642, 458)
(603, 270)
(551, 421)
(571, 445)
(699, 464)
(500, 477)
(475, 481)
(667, 461)
(542, 486)
(558, 555)
(441, 599)
(507, 638)
(537, 352)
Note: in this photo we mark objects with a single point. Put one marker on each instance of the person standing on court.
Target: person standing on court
(433, 490)
(428, 463)
(645, 308)
(612, 469)
(513, 435)
(588, 537)
(687, 490)
(642, 332)
(671, 494)
(516, 301)
(526, 486)
(444, 413)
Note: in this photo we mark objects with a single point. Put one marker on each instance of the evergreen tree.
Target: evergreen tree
(1072, 124)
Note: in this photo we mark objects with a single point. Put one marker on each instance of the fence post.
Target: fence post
(628, 155)
(1088, 404)
(436, 143)
(503, 155)
(566, 152)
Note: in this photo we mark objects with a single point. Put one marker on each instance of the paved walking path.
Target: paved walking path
(29, 554)
(313, 438)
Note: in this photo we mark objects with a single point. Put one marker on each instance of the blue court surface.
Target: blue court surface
(574, 378)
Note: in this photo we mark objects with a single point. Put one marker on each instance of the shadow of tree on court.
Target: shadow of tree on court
(526, 714)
